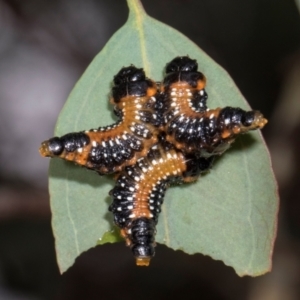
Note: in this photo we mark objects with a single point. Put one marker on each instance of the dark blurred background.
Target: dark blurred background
(44, 48)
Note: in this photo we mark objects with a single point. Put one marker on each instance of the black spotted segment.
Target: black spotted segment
(113, 152)
(198, 101)
(140, 130)
(74, 141)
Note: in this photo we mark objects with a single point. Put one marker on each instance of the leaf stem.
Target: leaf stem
(136, 8)
(137, 15)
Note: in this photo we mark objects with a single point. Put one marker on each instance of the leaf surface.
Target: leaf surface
(228, 214)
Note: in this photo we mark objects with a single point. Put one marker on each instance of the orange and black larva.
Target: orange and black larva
(187, 121)
(163, 136)
(139, 193)
(108, 149)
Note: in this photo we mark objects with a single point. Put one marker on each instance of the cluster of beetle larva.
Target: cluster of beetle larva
(165, 134)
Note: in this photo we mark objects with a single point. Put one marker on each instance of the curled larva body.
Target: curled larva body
(108, 149)
(187, 121)
(139, 193)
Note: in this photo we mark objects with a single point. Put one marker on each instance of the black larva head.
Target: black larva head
(52, 147)
(55, 146)
(130, 81)
(182, 64)
(183, 69)
(129, 74)
(248, 118)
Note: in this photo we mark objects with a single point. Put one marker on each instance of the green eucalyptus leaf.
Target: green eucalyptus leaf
(228, 214)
